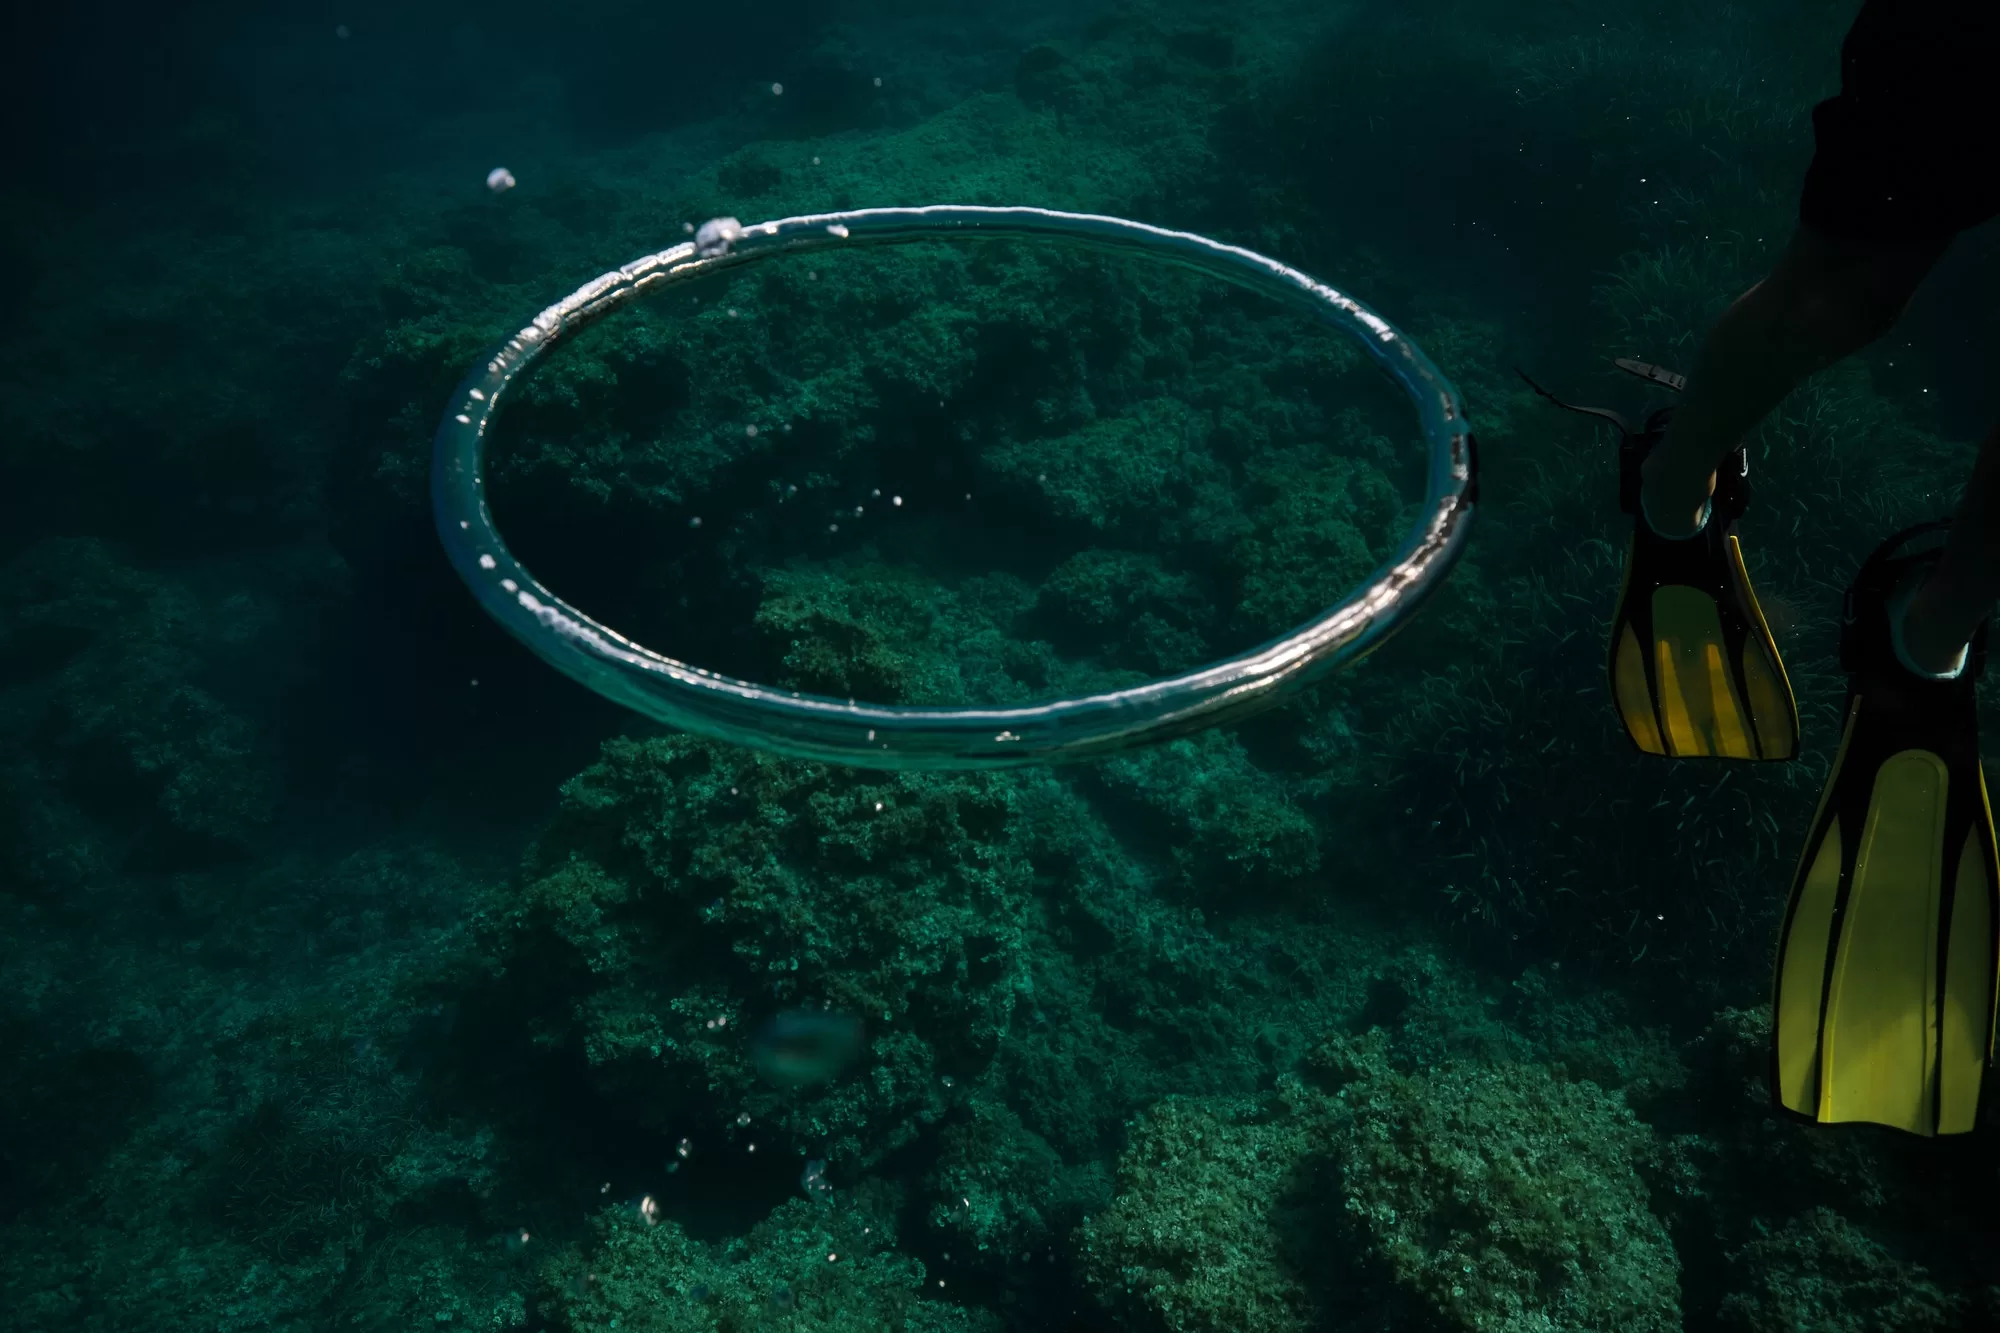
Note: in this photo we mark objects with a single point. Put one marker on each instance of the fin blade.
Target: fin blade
(1877, 1059)
(1965, 1035)
(1802, 954)
(1630, 692)
(1700, 710)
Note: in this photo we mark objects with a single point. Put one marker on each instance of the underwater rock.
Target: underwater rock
(804, 1268)
(1220, 1203)
(1500, 1197)
(1822, 1272)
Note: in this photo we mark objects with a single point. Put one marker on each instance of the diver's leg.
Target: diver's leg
(1825, 300)
(1961, 590)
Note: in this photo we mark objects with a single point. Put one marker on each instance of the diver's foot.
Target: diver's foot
(1922, 646)
(1675, 520)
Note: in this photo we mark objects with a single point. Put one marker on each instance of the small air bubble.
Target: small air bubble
(897, 501)
(343, 32)
(750, 432)
(878, 84)
(815, 161)
(742, 1117)
(833, 527)
(777, 90)
(695, 522)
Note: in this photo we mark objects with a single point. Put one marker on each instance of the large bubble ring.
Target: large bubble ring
(885, 736)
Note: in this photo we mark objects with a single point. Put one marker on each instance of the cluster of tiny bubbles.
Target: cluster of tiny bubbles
(813, 1180)
(649, 1208)
(500, 180)
(742, 1117)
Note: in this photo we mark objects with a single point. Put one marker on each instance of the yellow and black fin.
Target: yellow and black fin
(1694, 670)
(1890, 948)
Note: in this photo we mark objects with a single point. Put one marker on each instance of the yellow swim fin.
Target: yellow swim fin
(1694, 669)
(1887, 960)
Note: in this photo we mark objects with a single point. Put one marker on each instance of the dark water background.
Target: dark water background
(349, 983)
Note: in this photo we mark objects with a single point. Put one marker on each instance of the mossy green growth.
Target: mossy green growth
(1001, 1196)
(1823, 1273)
(1502, 1198)
(1232, 832)
(687, 892)
(805, 1269)
(1202, 1235)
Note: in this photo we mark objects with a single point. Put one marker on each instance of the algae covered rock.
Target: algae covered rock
(804, 1269)
(1219, 1200)
(1822, 1272)
(1503, 1198)
(1496, 1198)
(1001, 1195)
(689, 893)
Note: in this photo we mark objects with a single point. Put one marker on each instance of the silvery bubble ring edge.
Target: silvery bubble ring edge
(897, 737)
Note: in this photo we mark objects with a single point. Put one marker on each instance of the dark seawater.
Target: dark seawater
(359, 971)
